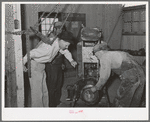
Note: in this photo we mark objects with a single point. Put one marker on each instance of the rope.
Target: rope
(61, 26)
(51, 25)
(40, 17)
(18, 32)
(115, 26)
(48, 14)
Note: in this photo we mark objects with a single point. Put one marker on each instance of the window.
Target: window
(134, 20)
(47, 23)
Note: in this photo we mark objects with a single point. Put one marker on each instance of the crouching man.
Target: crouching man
(42, 54)
(130, 72)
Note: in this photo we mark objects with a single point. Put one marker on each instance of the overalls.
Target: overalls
(131, 88)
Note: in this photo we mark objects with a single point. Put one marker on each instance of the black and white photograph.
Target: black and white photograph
(75, 60)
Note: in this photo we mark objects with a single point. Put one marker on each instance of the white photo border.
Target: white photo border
(36, 114)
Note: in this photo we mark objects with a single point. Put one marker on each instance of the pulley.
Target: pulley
(87, 95)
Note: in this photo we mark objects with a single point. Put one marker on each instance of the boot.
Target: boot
(42, 37)
(70, 94)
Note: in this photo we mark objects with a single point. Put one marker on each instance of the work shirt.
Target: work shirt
(46, 53)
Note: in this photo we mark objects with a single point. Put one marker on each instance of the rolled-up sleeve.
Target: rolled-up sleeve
(67, 54)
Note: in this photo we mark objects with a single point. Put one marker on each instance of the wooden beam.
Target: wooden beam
(18, 59)
(134, 8)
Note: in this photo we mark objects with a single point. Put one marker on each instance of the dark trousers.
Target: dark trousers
(54, 80)
(130, 92)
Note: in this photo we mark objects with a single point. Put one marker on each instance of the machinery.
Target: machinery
(88, 66)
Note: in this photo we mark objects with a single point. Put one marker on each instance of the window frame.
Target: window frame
(133, 9)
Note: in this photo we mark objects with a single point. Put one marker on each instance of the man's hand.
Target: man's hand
(94, 89)
(73, 63)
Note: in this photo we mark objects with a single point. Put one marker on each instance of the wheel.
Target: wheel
(87, 95)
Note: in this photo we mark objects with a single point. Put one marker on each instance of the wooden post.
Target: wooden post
(18, 59)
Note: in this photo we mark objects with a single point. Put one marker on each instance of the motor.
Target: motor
(81, 89)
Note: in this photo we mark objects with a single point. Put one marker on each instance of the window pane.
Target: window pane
(135, 27)
(51, 20)
(127, 27)
(142, 15)
(43, 26)
(47, 20)
(127, 16)
(47, 27)
(136, 16)
(43, 21)
(142, 26)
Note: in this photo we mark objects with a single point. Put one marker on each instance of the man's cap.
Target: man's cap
(102, 46)
(66, 36)
(58, 24)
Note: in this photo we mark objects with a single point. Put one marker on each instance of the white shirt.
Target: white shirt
(46, 53)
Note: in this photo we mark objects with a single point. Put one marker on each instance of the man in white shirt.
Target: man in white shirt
(54, 72)
(41, 55)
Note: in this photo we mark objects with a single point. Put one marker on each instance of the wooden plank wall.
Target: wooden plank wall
(103, 16)
(133, 42)
(13, 64)
(10, 68)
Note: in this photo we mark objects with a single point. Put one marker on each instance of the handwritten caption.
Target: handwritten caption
(75, 112)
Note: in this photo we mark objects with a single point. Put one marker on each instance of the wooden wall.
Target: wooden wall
(14, 83)
(133, 42)
(103, 16)
(134, 29)
(10, 91)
